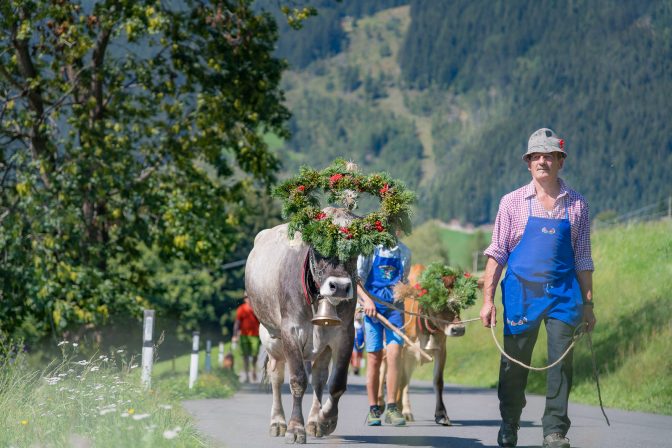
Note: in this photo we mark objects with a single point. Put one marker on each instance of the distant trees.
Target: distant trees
(131, 150)
(598, 72)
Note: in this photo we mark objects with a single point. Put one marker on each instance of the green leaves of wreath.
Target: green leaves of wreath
(433, 294)
(343, 183)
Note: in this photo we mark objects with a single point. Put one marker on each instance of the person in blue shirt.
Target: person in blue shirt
(378, 274)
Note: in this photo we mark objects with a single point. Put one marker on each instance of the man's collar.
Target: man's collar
(531, 191)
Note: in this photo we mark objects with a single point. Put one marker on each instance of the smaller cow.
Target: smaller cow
(430, 334)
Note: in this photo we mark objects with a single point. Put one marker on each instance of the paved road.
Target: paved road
(242, 421)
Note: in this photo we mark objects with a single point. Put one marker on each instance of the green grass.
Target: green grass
(96, 402)
(633, 289)
(99, 401)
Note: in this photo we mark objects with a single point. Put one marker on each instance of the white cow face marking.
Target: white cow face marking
(339, 288)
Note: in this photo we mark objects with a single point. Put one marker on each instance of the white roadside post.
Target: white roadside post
(208, 362)
(220, 355)
(193, 368)
(147, 347)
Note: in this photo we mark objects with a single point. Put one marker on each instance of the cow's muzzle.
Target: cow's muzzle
(455, 330)
(337, 287)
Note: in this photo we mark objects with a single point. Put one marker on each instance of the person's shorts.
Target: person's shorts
(359, 339)
(249, 345)
(375, 330)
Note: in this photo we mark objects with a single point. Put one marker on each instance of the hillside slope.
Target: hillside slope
(445, 96)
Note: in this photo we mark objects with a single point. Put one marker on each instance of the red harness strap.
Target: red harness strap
(304, 273)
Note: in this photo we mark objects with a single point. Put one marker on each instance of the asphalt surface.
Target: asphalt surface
(243, 421)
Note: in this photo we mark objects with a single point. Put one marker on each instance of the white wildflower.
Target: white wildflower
(107, 411)
(166, 406)
(95, 368)
(140, 416)
(62, 343)
(171, 433)
(74, 344)
(83, 362)
(120, 351)
(134, 366)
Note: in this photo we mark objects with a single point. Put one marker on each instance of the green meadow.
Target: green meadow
(99, 400)
(633, 297)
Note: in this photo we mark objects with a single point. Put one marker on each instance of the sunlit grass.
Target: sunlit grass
(98, 401)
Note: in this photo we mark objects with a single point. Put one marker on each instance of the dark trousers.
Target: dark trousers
(513, 378)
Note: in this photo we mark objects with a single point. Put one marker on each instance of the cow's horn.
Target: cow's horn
(326, 315)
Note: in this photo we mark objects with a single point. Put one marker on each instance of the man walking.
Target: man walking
(542, 232)
(379, 273)
(246, 329)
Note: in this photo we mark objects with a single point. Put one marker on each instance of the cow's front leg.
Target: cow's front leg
(298, 380)
(338, 381)
(276, 371)
(319, 380)
(440, 414)
(407, 367)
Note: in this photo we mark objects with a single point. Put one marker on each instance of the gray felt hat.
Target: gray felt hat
(544, 140)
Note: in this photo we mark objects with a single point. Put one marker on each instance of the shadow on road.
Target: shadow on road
(448, 442)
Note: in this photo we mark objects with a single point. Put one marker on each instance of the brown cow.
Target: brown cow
(430, 333)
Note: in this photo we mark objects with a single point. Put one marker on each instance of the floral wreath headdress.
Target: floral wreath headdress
(343, 183)
(442, 287)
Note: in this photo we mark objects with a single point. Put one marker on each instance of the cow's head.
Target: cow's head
(333, 277)
(449, 323)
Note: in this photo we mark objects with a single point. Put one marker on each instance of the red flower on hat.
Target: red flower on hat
(320, 216)
(561, 144)
(301, 188)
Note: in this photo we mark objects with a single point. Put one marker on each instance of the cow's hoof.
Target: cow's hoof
(409, 417)
(277, 429)
(313, 429)
(296, 435)
(442, 420)
(327, 425)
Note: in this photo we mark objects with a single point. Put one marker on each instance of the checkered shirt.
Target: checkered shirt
(512, 219)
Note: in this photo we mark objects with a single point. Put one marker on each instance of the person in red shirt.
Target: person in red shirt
(246, 330)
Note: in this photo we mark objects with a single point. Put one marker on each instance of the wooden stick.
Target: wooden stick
(394, 328)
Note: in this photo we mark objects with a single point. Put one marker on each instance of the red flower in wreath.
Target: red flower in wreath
(417, 286)
(346, 232)
(467, 274)
(320, 216)
(561, 144)
(301, 188)
(379, 226)
(335, 178)
(384, 190)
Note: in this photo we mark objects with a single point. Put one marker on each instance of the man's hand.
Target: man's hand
(589, 318)
(369, 306)
(489, 315)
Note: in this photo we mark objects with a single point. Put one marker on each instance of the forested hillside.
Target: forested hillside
(462, 84)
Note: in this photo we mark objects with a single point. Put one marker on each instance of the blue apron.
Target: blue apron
(541, 280)
(385, 273)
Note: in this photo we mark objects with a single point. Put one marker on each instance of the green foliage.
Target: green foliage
(343, 183)
(443, 287)
(116, 134)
